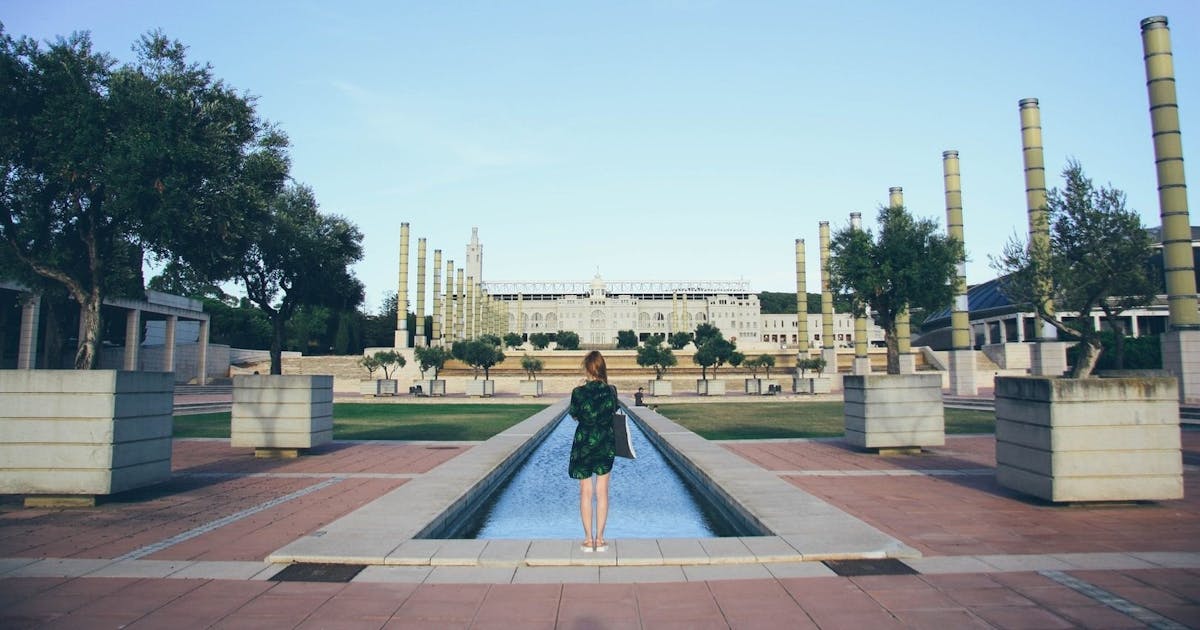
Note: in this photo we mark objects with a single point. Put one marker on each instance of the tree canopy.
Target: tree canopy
(105, 164)
(1098, 257)
(910, 265)
(299, 256)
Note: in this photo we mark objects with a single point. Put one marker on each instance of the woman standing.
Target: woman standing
(592, 451)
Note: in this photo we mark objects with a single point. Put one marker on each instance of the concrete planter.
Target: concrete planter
(1094, 439)
(894, 411)
(531, 388)
(481, 388)
(754, 386)
(279, 416)
(710, 387)
(812, 385)
(70, 435)
(660, 388)
(435, 387)
(378, 387)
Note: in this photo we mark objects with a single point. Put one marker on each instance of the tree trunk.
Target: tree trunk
(89, 330)
(1118, 330)
(277, 344)
(893, 352)
(1089, 353)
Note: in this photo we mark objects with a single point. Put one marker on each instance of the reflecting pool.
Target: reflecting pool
(648, 498)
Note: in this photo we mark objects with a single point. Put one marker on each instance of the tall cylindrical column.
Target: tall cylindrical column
(420, 312)
(1035, 181)
(828, 343)
(461, 315)
(437, 298)
(448, 307)
(903, 321)
(801, 302)
(1172, 186)
(960, 337)
(1047, 357)
(402, 291)
(962, 353)
(862, 360)
(469, 323)
(1181, 342)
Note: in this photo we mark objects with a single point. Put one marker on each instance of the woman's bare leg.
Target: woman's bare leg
(585, 507)
(601, 505)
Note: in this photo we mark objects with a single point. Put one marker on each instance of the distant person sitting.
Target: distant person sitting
(637, 398)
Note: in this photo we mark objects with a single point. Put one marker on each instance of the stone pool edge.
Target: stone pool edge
(385, 531)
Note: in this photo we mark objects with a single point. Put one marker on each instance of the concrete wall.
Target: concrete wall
(1094, 439)
(84, 432)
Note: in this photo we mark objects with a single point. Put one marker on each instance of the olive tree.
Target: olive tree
(909, 265)
(656, 356)
(431, 358)
(1097, 258)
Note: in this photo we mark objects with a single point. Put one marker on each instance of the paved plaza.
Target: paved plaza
(192, 553)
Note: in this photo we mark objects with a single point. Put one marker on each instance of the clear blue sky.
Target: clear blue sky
(670, 139)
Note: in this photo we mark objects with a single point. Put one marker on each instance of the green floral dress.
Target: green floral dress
(592, 451)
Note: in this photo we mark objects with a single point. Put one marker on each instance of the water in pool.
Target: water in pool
(647, 497)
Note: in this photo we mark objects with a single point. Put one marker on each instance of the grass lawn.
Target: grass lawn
(366, 421)
(746, 421)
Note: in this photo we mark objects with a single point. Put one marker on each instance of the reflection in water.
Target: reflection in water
(647, 497)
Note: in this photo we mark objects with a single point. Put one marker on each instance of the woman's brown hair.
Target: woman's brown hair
(594, 365)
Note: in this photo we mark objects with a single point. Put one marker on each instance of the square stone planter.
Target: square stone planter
(378, 387)
(754, 386)
(1093, 439)
(710, 387)
(894, 411)
(281, 415)
(435, 387)
(659, 388)
(481, 387)
(67, 436)
(531, 388)
(812, 385)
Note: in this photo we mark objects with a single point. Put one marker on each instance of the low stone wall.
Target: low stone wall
(1095, 439)
(84, 432)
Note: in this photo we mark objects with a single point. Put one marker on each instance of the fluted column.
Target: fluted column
(908, 362)
(437, 298)
(828, 342)
(962, 354)
(31, 315)
(1181, 343)
(402, 292)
